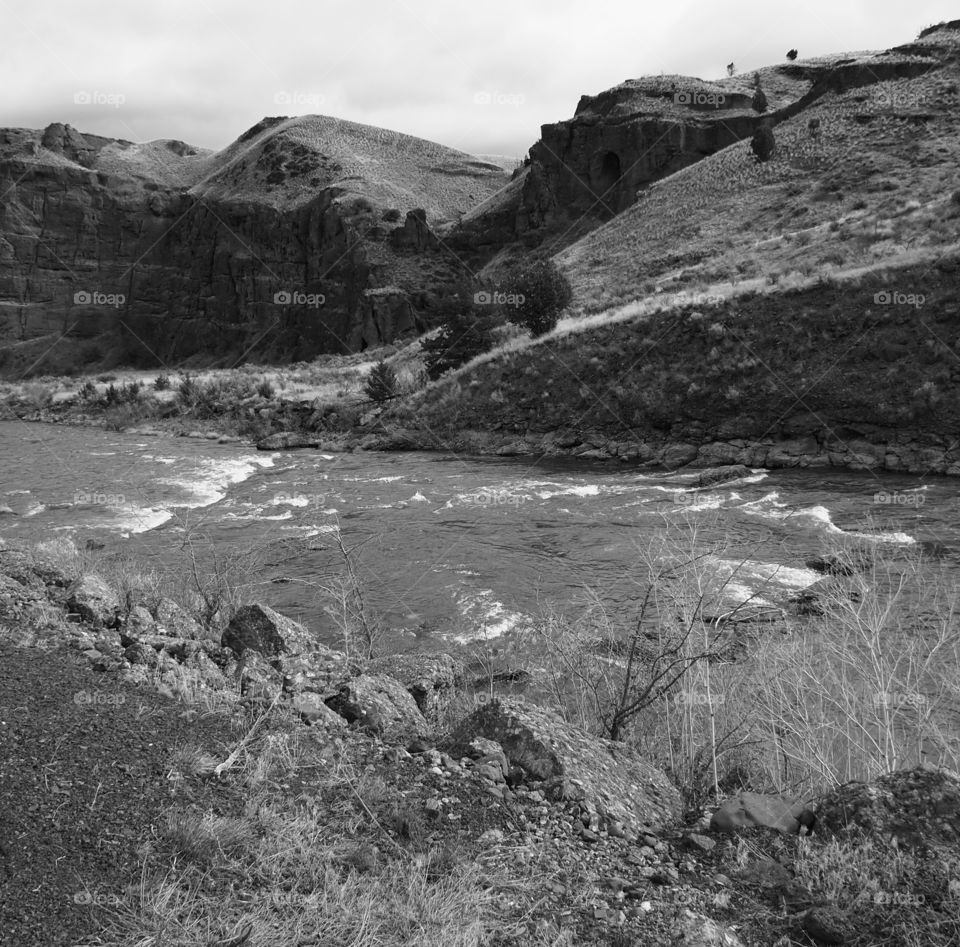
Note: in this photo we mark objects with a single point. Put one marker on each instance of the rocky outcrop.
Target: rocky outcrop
(282, 267)
(919, 808)
(612, 784)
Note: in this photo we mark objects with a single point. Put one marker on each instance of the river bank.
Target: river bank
(387, 789)
(272, 423)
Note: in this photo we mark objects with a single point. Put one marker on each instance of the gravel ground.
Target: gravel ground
(83, 778)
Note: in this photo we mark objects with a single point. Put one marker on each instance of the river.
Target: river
(449, 548)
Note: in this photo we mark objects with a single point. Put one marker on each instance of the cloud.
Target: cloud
(205, 70)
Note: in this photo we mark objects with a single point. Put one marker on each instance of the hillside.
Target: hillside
(178, 253)
(745, 312)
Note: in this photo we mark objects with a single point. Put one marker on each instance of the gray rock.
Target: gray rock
(171, 619)
(321, 671)
(432, 679)
(616, 783)
(751, 809)
(256, 678)
(93, 600)
(382, 705)
(288, 440)
(313, 710)
(259, 628)
(919, 807)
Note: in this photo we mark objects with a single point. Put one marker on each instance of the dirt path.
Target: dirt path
(84, 760)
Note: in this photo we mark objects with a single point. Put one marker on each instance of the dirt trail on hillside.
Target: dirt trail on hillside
(84, 763)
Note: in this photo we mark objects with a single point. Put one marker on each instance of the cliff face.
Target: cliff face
(587, 169)
(271, 249)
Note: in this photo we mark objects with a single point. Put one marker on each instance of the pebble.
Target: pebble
(491, 837)
(703, 842)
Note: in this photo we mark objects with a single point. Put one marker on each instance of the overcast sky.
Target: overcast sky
(479, 76)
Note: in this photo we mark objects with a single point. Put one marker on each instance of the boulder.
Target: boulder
(93, 600)
(259, 628)
(172, 620)
(287, 440)
(918, 807)
(716, 475)
(767, 810)
(575, 765)
(138, 622)
(382, 705)
(431, 679)
(312, 709)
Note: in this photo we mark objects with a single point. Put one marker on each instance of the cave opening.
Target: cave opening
(607, 177)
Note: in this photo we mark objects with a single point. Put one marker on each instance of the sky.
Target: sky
(478, 76)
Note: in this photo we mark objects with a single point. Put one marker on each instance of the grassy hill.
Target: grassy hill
(283, 161)
(740, 304)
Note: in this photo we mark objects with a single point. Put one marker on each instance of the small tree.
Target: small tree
(381, 383)
(537, 292)
(465, 333)
(731, 68)
(759, 102)
(763, 142)
(792, 55)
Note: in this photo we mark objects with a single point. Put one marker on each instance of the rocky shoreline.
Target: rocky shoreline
(506, 781)
(890, 452)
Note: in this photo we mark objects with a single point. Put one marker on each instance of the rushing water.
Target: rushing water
(449, 547)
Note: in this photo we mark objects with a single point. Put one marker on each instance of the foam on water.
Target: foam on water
(208, 484)
(770, 507)
(489, 616)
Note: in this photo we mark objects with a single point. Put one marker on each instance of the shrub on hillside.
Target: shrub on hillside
(763, 142)
(161, 382)
(465, 333)
(791, 55)
(265, 389)
(541, 293)
(381, 383)
(759, 102)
